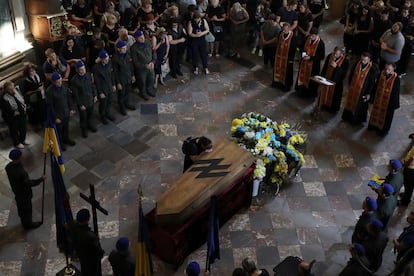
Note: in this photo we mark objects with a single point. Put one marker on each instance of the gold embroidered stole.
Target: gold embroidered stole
(305, 68)
(382, 99)
(282, 58)
(354, 91)
(328, 91)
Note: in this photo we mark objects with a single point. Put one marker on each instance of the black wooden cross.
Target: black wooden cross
(95, 205)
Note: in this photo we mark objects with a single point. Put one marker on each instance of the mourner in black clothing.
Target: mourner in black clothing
(194, 147)
(22, 188)
(13, 109)
(34, 93)
(86, 244)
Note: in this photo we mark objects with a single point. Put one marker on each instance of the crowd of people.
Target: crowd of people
(370, 238)
(110, 47)
(378, 34)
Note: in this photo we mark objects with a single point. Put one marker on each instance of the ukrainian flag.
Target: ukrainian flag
(51, 141)
(143, 265)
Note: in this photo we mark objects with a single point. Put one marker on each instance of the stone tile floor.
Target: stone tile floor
(312, 217)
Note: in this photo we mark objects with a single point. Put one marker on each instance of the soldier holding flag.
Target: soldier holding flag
(22, 188)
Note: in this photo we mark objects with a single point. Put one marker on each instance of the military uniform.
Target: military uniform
(123, 71)
(386, 207)
(87, 248)
(396, 180)
(60, 101)
(142, 55)
(22, 189)
(105, 81)
(360, 231)
(122, 263)
(374, 246)
(84, 92)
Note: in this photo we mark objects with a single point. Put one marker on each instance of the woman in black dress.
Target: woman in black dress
(362, 33)
(34, 93)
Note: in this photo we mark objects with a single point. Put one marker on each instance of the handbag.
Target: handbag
(210, 37)
(165, 68)
(217, 28)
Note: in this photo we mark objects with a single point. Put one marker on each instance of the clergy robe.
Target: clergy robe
(311, 67)
(386, 100)
(283, 68)
(331, 96)
(361, 83)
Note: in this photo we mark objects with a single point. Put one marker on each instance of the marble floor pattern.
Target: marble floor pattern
(312, 217)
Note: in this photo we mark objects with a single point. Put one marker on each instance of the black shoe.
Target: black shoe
(92, 128)
(84, 133)
(145, 97)
(63, 147)
(174, 76)
(123, 112)
(70, 142)
(33, 225)
(110, 118)
(131, 107)
(180, 73)
(104, 121)
(151, 94)
(401, 204)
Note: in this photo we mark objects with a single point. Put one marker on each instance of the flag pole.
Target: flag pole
(208, 253)
(43, 186)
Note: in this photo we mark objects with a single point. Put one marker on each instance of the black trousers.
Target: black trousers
(17, 128)
(91, 266)
(408, 186)
(176, 55)
(269, 53)
(85, 117)
(63, 130)
(24, 209)
(123, 96)
(105, 106)
(199, 49)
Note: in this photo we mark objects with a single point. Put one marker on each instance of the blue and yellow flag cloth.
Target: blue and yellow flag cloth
(143, 262)
(51, 141)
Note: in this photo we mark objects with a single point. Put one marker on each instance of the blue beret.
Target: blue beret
(103, 54)
(395, 164)
(121, 44)
(122, 244)
(138, 33)
(376, 224)
(83, 215)
(15, 154)
(388, 189)
(56, 76)
(371, 203)
(360, 249)
(79, 64)
(193, 269)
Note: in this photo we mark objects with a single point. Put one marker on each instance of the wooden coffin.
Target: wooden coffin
(209, 176)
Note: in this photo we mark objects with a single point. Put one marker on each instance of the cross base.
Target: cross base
(69, 270)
